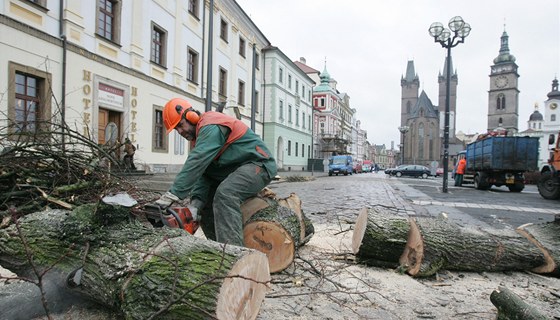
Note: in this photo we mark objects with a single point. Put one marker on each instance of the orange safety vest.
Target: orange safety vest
(237, 127)
(461, 166)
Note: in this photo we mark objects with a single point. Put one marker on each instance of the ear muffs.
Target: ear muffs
(191, 116)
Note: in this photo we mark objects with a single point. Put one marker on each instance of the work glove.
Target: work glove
(166, 200)
(193, 207)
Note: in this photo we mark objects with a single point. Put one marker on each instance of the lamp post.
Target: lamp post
(448, 38)
(403, 130)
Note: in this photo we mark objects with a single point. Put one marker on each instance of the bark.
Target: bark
(422, 246)
(274, 230)
(446, 245)
(379, 238)
(546, 238)
(511, 307)
(137, 271)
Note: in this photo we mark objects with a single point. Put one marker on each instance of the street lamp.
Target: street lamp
(403, 130)
(448, 38)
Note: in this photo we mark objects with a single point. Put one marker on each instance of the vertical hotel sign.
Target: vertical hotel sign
(111, 96)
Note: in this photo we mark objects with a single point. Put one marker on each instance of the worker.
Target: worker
(228, 164)
(460, 171)
(128, 159)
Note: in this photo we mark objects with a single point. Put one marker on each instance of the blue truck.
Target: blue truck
(340, 164)
(501, 161)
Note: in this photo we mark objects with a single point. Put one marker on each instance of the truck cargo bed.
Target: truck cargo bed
(503, 153)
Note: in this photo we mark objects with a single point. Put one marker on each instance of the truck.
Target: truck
(501, 160)
(340, 164)
(549, 181)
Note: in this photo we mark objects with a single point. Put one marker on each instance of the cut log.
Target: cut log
(511, 306)
(546, 238)
(422, 246)
(379, 238)
(274, 230)
(137, 271)
(445, 245)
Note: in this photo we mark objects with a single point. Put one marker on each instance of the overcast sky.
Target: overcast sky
(367, 44)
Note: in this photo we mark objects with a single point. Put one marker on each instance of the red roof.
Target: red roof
(305, 68)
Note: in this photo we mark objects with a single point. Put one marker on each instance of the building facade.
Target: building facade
(288, 118)
(107, 68)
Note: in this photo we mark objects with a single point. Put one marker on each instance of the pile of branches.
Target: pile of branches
(52, 166)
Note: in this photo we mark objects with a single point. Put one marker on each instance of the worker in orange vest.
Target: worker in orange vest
(461, 166)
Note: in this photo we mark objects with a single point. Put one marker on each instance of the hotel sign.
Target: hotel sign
(110, 96)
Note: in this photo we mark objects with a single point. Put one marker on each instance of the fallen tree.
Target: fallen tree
(422, 246)
(511, 306)
(139, 272)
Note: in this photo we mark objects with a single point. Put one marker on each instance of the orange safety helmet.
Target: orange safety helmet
(178, 108)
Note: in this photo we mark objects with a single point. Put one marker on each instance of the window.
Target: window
(501, 102)
(30, 96)
(297, 149)
(309, 150)
(224, 30)
(178, 143)
(289, 81)
(297, 117)
(42, 3)
(322, 103)
(159, 143)
(303, 91)
(158, 45)
(303, 150)
(108, 19)
(192, 65)
(257, 101)
(281, 110)
(297, 87)
(193, 8)
(553, 117)
(242, 47)
(289, 113)
(257, 61)
(303, 120)
(222, 89)
(309, 121)
(289, 147)
(241, 93)
(280, 75)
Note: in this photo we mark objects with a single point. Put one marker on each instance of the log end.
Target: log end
(359, 230)
(243, 291)
(412, 256)
(273, 240)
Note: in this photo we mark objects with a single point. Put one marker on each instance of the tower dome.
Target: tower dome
(536, 116)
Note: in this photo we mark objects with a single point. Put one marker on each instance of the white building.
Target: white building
(115, 63)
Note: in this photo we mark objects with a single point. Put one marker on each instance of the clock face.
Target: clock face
(501, 81)
(553, 105)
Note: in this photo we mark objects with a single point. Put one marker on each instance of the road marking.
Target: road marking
(484, 206)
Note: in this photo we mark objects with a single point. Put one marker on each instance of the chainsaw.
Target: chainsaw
(172, 217)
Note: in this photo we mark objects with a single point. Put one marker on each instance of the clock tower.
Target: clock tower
(503, 96)
(552, 109)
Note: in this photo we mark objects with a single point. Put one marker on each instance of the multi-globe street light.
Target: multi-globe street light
(448, 38)
(403, 130)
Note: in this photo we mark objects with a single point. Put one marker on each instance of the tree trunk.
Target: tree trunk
(422, 246)
(512, 307)
(547, 238)
(276, 227)
(274, 230)
(138, 271)
(379, 238)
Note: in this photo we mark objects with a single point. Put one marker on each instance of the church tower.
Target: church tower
(410, 84)
(552, 108)
(503, 97)
(452, 98)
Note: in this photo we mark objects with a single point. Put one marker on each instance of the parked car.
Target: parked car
(357, 168)
(412, 170)
(439, 172)
(391, 171)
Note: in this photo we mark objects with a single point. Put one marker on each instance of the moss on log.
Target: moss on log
(379, 238)
(511, 307)
(138, 271)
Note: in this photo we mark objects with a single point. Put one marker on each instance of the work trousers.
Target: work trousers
(458, 179)
(221, 218)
